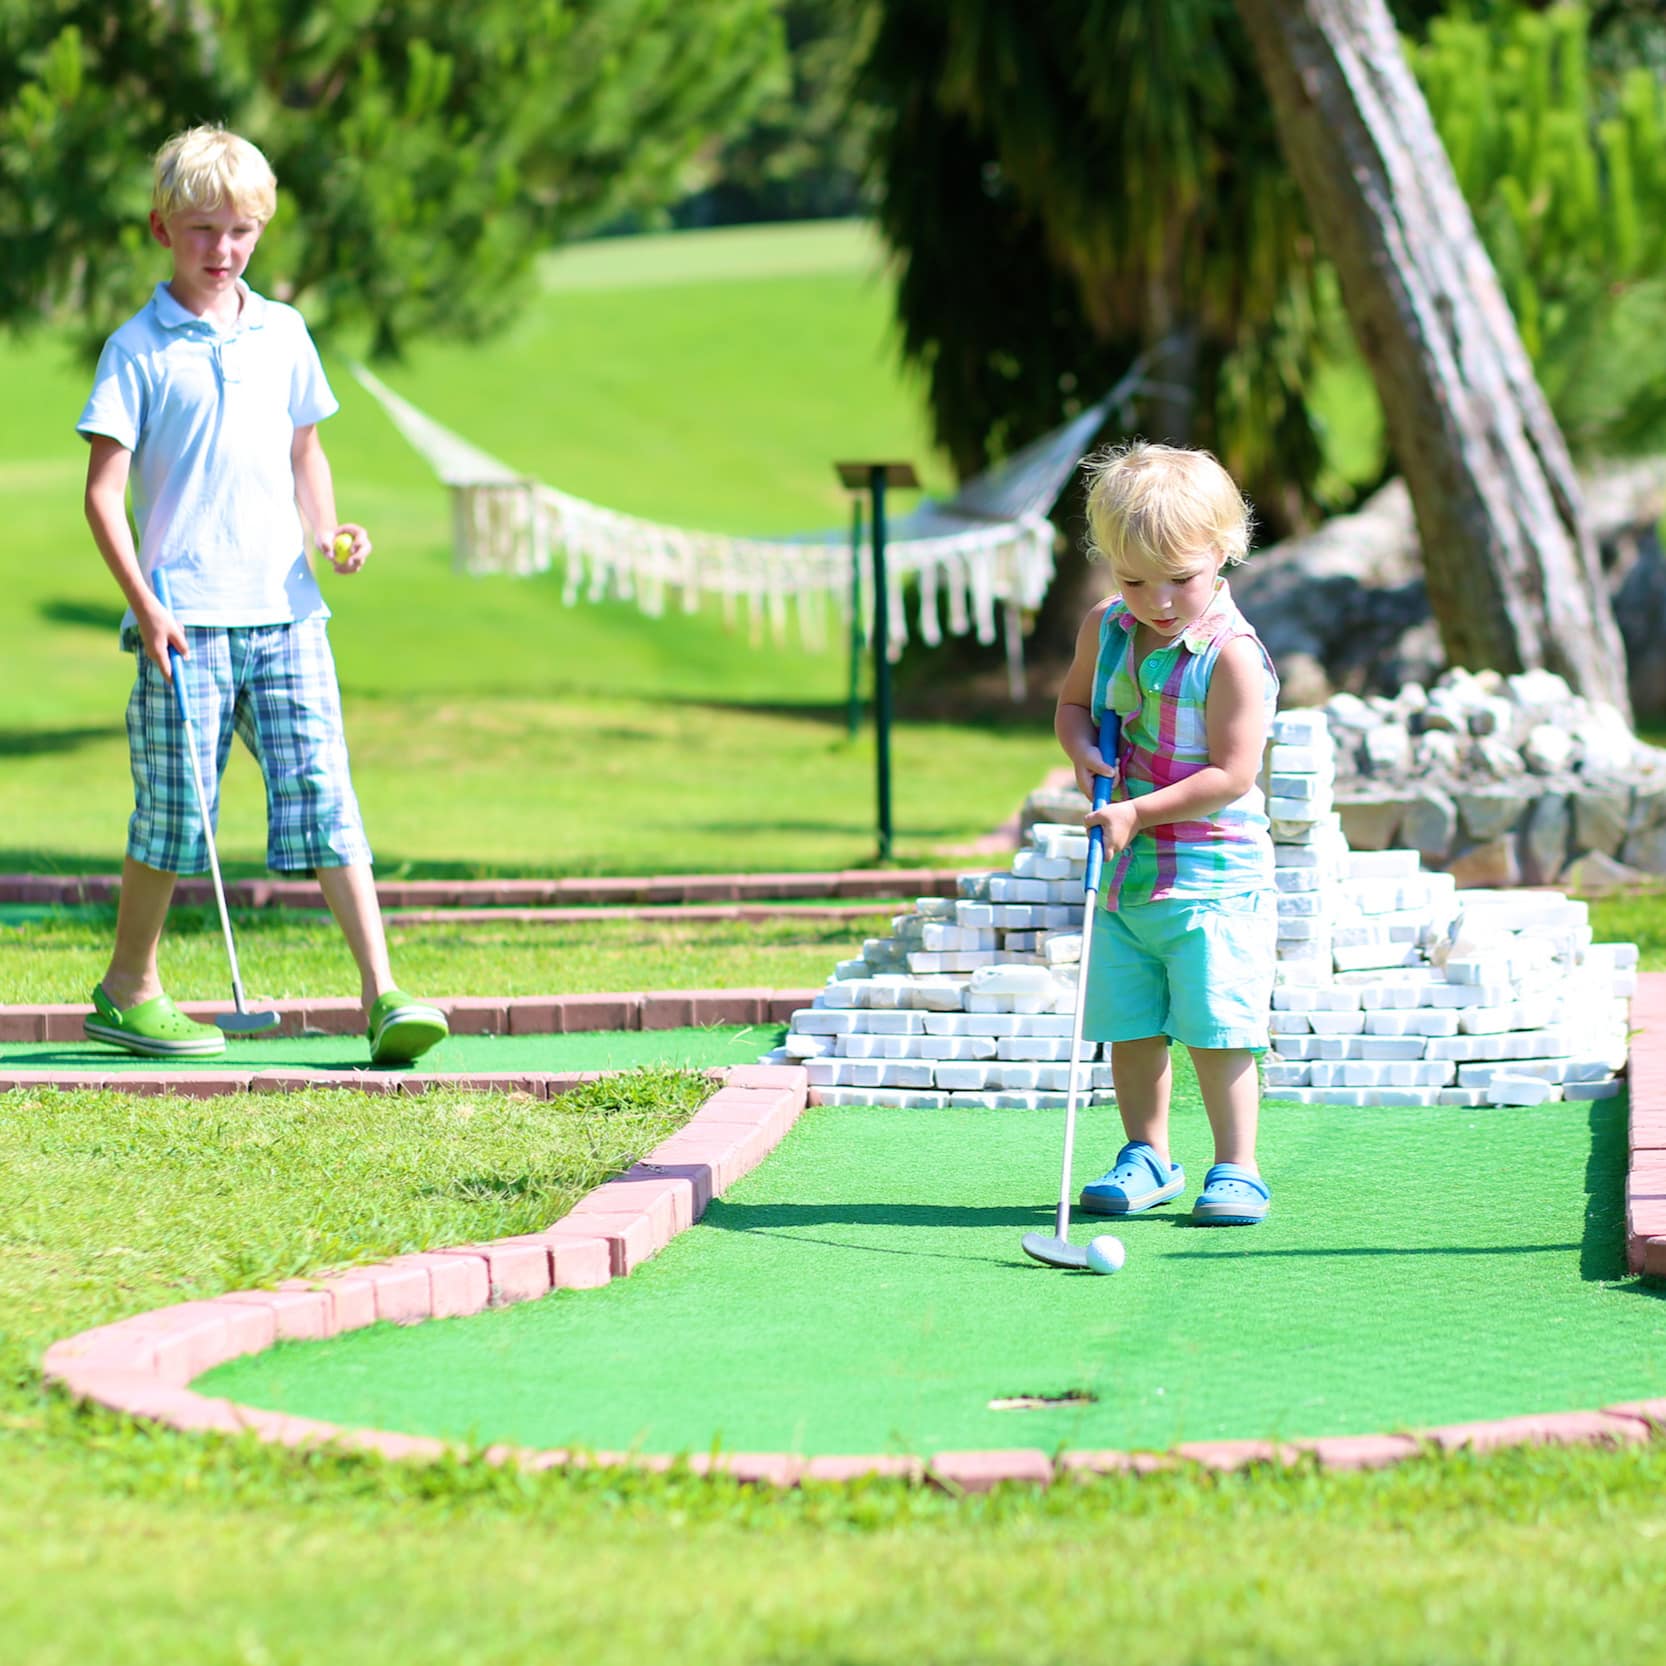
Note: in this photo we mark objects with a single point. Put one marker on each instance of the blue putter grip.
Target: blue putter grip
(159, 585)
(1110, 732)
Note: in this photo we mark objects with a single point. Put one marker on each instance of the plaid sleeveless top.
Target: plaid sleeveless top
(1165, 739)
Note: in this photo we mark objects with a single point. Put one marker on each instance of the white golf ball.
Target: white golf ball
(1106, 1254)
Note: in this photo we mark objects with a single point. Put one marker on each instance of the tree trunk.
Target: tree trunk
(1512, 569)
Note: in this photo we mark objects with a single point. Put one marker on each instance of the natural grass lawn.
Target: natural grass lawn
(288, 955)
(493, 729)
(123, 1544)
(59, 955)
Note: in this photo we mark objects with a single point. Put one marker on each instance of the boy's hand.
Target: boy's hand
(159, 630)
(347, 547)
(1120, 823)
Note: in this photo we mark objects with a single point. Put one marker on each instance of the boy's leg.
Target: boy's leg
(289, 712)
(1232, 1096)
(131, 976)
(351, 895)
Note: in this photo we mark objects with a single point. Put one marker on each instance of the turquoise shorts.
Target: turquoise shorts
(1197, 969)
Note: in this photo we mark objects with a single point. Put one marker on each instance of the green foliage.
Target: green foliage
(1066, 191)
(425, 151)
(803, 155)
(1566, 173)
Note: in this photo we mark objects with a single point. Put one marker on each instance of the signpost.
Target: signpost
(875, 477)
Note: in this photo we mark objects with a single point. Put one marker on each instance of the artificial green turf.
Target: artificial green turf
(864, 1291)
(584, 1050)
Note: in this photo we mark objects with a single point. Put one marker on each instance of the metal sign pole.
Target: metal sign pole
(881, 663)
(876, 477)
(854, 719)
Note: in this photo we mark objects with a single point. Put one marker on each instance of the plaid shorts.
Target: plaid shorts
(275, 686)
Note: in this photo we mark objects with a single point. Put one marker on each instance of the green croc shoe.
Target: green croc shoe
(402, 1030)
(156, 1028)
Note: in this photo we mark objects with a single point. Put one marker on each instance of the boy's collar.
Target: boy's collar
(1203, 629)
(172, 316)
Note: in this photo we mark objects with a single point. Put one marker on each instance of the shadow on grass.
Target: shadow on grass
(98, 616)
(772, 1217)
(40, 743)
(1602, 1250)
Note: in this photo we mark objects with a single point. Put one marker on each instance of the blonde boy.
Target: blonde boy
(206, 403)
(1183, 948)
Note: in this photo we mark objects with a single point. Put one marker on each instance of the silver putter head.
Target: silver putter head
(1052, 1251)
(247, 1023)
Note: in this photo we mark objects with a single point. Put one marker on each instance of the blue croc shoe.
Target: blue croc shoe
(1139, 1180)
(1231, 1196)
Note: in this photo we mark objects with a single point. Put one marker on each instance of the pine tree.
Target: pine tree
(425, 151)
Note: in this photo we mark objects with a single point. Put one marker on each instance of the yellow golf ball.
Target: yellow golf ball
(343, 546)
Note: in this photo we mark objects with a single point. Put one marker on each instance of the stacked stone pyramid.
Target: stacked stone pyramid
(1393, 986)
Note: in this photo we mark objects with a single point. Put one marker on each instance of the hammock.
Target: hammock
(988, 547)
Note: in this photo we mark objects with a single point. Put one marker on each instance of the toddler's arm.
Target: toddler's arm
(108, 463)
(1073, 717)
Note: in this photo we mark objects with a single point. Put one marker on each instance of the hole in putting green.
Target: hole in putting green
(1043, 1402)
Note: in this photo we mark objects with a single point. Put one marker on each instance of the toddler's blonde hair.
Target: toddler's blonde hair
(204, 167)
(1161, 506)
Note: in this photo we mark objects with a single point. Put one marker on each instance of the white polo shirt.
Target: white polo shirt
(210, 416)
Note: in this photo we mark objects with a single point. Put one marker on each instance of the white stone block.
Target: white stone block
(902, 1073)
(1288, 1023)
(1062, 948)
(815, 1021)
(1337, 1023)
(975, 916)
(1286, 758)
(1007, 1101)
(1486, 1020)
(1466, 996)
(851, 969)
(1304, 905)
(1386, 1047)
(1462, 1096)
(1507, 1089)
(890, 1023)
(1591, 1090)
(1011, 980)
(797, 1045)
(1048, 1048)
(1389, 997)
(877, 1046)
(1382, 864)
(954, 1023)
(1301, 726)
(1308, 973)
(952, 1047)
(843, 994)
(937, 995)
(1374, 956)
(1317, 950)
(1466, 1048)
(955, 1077)
(1311, 793)
(1281, 1075)
(1290, 881)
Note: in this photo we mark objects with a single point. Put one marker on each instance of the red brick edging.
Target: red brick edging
(662, 889)
(141, 1365)
(659, 1009)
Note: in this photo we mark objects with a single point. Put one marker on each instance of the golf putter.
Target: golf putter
(241, 1022)
(1057, 1250)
